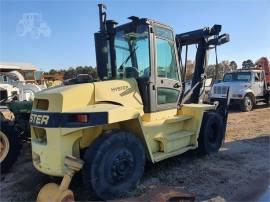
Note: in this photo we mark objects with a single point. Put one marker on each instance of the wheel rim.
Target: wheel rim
(122, 166)
(4, 146)
(248, 103)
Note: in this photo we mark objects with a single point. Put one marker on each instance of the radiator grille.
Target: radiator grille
(220, 89)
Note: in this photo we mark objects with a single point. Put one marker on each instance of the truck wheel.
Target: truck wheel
(9, 146)
(246, 104)
(211, 133)
(114, 164)
(267, 99)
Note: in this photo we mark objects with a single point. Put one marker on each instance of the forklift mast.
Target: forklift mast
(204, 39)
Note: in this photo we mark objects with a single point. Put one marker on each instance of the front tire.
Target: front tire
(246, 104)
(114, 164)
(267, 99)
(211, 134)
(9, 146)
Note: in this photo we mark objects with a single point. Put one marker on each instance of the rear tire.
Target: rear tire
(211, 134)
(10, 146)
(246, 104)
(114, 164)
(267, 99)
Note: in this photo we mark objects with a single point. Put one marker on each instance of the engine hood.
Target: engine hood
(74, 97)
(233, 85)
(64, 98)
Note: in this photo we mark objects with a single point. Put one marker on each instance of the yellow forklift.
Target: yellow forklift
(136, 112)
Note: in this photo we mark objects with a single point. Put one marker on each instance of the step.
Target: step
(170, 120)
(178, 118)
(173, 141)
(173, 136)
(260, 99)
(159, 156)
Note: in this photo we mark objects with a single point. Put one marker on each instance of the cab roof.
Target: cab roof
(148, 21)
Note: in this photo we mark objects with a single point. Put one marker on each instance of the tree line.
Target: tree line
(72, 72)
(216, 71)
(212, 70)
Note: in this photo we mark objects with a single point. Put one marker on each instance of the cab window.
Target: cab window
(166, 61)
(164, 33)
(257, 77)
(227, 77)
(167, 95)
(132, 53)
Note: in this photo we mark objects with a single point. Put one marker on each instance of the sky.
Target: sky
(60, 34)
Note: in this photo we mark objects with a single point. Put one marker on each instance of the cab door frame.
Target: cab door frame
(163, 82)
(258, 85)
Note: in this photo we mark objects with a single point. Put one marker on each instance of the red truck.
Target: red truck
(264, 64)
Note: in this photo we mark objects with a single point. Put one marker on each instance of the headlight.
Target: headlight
(247, 85)
(40, 135)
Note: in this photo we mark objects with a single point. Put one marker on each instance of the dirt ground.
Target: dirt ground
(239, 172)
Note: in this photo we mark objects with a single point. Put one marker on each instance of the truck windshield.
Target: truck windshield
(132, 52)
(237, 76)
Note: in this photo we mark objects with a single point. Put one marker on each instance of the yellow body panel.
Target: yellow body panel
(147, 117)
(164, 134)
(116, 113)
(63, 99)
(123, 92)
(49, 158)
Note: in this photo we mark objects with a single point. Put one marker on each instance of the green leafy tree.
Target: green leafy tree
(52, 71)
(233, 65)
(247, 64)
(218, 71)
(73, 72)
(190, 70)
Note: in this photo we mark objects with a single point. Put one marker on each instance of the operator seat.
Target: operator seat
(131, 72)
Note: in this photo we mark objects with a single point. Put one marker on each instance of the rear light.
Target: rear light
(40, 135)
(82, 118)
(36, 158)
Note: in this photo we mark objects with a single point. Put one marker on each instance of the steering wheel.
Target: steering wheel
(131, 72)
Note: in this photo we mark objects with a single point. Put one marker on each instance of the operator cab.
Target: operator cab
(148, 51)
(145, 50)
